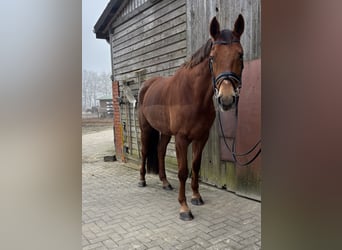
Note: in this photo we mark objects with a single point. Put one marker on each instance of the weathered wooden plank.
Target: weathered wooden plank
(189, 28)
(175, 8)
(160, 40)
(166, 72)
(250, 9)
(137, 76)
(170, 66)
(156, 53)
(199, 14)
(122, 68)
(144, 10)
(174, 26)
(132, 51)
(174, 62)
(170, 19)
(257, 28)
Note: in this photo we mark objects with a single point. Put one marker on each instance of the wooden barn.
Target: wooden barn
(153, 38)
(105, 106)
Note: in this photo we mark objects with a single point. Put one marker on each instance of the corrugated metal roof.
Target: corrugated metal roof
(107, 97)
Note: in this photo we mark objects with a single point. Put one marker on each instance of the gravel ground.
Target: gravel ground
(93, 124)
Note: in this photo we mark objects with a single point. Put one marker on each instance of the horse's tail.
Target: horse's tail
(153, 136)
(152, 152)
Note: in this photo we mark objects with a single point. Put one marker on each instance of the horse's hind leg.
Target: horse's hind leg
(164, 140)
(145, 135)
(144, 148)
(197, 148)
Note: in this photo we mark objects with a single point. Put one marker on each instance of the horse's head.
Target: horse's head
(226, 62)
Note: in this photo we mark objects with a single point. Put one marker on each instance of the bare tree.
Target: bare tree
(94, 85)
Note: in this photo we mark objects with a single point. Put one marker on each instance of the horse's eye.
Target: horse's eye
(241, 56)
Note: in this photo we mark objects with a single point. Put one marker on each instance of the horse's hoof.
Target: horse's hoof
(197, 201)
(168, 187)
(142, 184)
(186, 216)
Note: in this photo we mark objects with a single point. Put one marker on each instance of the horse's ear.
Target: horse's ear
(214, 28)
(239, 26)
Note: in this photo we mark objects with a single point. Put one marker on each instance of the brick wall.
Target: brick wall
(118, 139)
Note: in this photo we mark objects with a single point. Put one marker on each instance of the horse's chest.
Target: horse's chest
(204, 122)
(190, 121)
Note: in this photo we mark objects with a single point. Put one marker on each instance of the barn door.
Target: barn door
(248, 131)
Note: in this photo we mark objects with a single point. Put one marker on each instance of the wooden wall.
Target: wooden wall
(199, 14)
(148, 40)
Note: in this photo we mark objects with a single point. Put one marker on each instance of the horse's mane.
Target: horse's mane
(198, 57)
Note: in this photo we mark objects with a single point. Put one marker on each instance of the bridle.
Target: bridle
(233, 78)
(227, 75)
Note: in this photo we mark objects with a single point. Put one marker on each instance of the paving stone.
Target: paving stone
(248, 234)
(117, 214)
(99, 239)
(110, 244)
(251, 247)
(218, 226)
(249, 241)
(231, 244)
(185, 244)
(93, 246)
(156, 248)
(202, 242)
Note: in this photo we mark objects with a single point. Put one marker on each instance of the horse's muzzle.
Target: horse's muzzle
(226, 102)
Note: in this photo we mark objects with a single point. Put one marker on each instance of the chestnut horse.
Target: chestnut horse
(182, 106)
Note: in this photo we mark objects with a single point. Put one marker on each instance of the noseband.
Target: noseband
(230, 76)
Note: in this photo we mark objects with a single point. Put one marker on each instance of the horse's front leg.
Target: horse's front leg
(181, 150)
(197, 148)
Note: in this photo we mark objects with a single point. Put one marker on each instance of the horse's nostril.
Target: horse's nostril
(219, 100)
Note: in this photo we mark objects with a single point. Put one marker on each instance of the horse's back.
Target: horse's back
(145, 86)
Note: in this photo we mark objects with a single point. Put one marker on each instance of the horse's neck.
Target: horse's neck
(202, 81)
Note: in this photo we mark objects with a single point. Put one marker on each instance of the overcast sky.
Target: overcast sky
(95, 52)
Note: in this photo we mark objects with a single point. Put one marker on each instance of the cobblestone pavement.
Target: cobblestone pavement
(117, 214)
